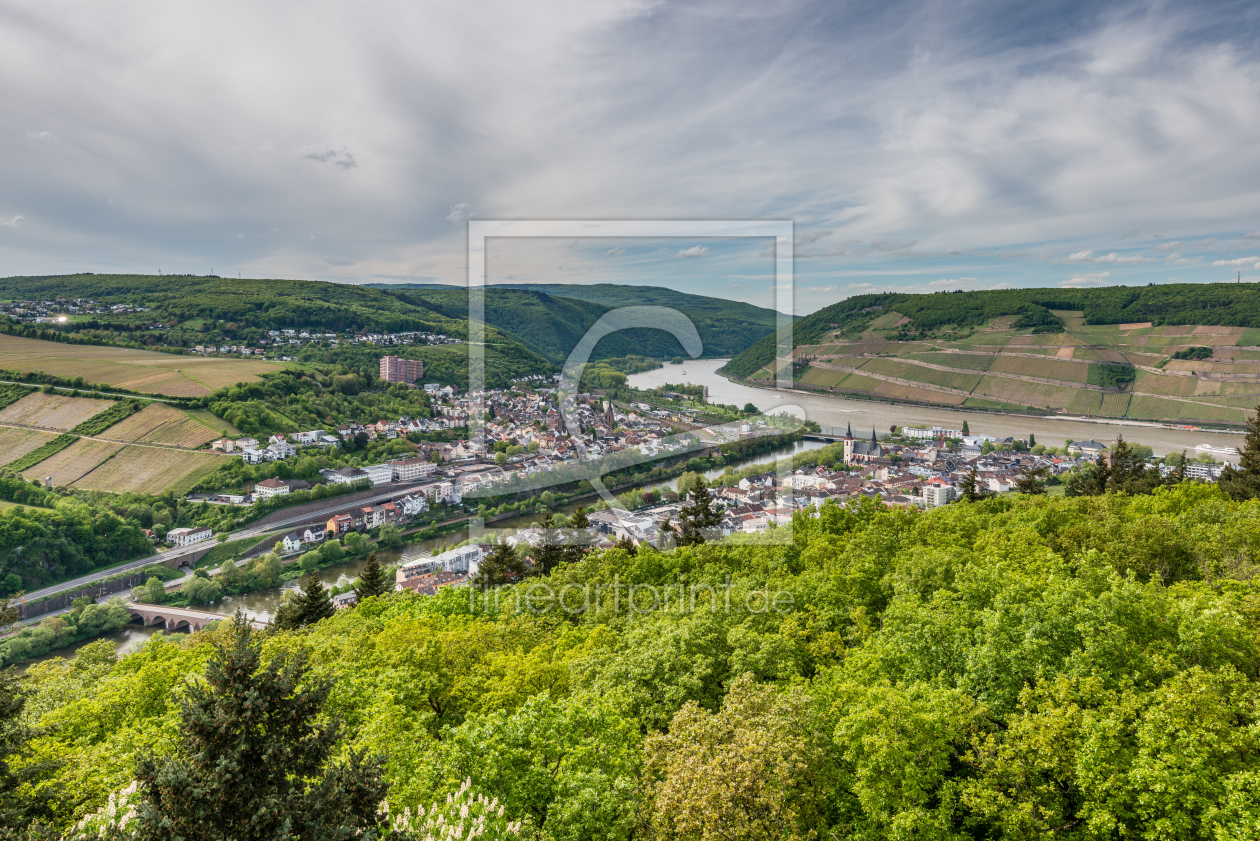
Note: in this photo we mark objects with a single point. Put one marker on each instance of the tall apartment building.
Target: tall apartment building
(395, 369)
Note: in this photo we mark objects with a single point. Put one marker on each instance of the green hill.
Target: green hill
(552, 318)
(1114, 351)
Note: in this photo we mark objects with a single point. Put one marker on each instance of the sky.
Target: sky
(915, 146)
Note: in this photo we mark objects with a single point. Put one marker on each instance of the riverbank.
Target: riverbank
(865, 415)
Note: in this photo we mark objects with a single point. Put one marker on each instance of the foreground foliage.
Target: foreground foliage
(1017, 667)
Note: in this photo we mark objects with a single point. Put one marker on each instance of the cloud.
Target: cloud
(1172, 245)
(952, 281)
(12, 221)
(1111, 257)
(458, 212)
(1239, 261)
(325, 154)
(1093, 279)
(615, 252)
(40, 135)
(820, 289)
(812, 237)
(693, 251)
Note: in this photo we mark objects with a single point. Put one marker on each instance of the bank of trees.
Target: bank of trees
(1021, 666)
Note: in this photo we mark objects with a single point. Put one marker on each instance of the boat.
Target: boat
(1212, 448)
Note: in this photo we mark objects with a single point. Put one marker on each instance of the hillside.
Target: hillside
(1176, 353)
(551, 318)
(1024, 667)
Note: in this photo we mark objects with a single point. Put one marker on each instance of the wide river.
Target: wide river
(826, 410)
(867, 414)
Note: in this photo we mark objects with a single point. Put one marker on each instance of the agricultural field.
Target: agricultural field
(51, 411)
(135, 370)
(72, 463)
(161, 424)
(151, 470)
(1049, 369)
(15, 442)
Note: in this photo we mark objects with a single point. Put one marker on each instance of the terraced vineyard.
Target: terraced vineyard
(161, 424)
(1112, 370)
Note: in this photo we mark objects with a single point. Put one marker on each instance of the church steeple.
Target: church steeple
(874, 440)
(849, 432)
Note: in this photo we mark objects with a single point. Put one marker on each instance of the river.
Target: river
(867, 414)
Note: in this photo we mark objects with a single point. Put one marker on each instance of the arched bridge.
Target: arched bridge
(177, 618)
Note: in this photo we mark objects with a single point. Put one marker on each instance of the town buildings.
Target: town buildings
(395, 369)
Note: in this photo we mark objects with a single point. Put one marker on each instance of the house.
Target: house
(340, 524)
(348, 476)
(306, 439)
(268, 488)
(464, 559)
(936, 495)
(290, 543)
(429, 583)
(253, 455)
(224, 445)
(188, 536)
(346, 599)
(1087, 448)
(413, 504)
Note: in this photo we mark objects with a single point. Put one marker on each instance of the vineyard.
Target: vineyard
(52, 411)
(158, 423)
(152, 470)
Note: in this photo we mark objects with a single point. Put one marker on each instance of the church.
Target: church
(861, 451)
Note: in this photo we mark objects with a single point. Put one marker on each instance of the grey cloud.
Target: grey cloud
(324, 154)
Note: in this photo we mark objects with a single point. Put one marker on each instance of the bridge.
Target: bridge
(177, 618)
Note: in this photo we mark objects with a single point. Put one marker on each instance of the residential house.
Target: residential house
(188, 536)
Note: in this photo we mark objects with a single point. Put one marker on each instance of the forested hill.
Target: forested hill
(1232, 304)
(550, 319)
(269, 303)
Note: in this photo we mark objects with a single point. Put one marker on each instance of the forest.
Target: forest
(1017, 667)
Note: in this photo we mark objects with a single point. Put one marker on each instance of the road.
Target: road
(334, 504)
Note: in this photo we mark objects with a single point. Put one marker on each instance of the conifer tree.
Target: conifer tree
(500, 567)
(548, 555)
(1243, 482)
(971, 489)
(578, 527)
(253, 760)
(966, 430)
(1031, 480)
(315, 603)
(697, 515)
(372, 581)
(625, 544)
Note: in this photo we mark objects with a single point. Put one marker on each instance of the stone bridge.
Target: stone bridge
(177, 618)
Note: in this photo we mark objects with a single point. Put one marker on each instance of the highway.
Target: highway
(333, 505)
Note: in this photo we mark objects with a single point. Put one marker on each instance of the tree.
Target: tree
(754, 770)
(971, 489)
(966, 430)
(309, 561)
(1032, 440)
(986, 447)
(1243, 482)
(1090, 480)
(1179, 475)
(254, 758)
(579, 527)
(228, 572)
(750, 409)
(625, 544)
(314, 603)
(155, 591)
(372, 581)
(686, 481)
(16, 806)
(698, 515)
(1032, 480)
(390, 536)
(500, 567)
(201, 590)
(550, 553)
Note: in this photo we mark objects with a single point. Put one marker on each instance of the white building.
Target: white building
(465, 559)
(380, 474)
(268, 488)
(305, 439)
(412, 469)
(347, 476)
(186, 536)
(935, 496)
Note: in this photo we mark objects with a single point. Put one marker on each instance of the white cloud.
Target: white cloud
(40, 135)
(952, 281)
(12, 221)
(1239, 261)
(615, 252)
(458, 212)
(693, 251)
(1092, 279)
(1111, 257)
(821, 289)
(1081, 257)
